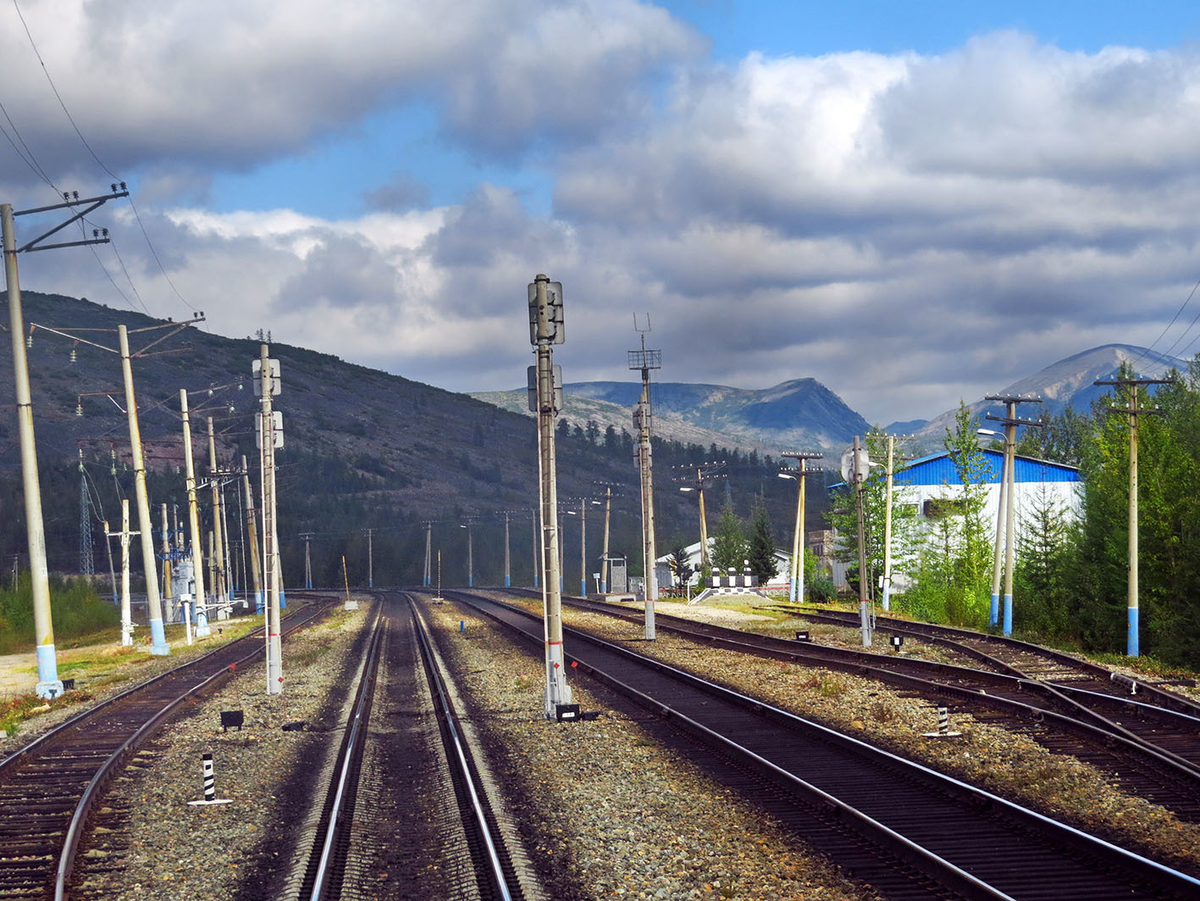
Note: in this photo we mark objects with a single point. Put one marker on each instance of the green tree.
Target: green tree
(1168, 539)
(762, 546)
(1063, 438)
(729, 543)
(953, 577)
(1043, 576)
(680, 567)
(843, 517)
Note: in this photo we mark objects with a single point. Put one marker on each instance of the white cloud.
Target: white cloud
(221, 83)
(909, 230)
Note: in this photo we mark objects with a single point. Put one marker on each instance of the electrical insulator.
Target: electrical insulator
(29, 340)
(79, 409)
(73, 356)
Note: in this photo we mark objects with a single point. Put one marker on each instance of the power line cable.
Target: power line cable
(1174, 319)
(141, 225)
(46, 72)
(1184, 351)
(25, 154)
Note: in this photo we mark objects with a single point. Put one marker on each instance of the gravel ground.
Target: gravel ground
(160, 844)
(1007, 763)
(608, 809)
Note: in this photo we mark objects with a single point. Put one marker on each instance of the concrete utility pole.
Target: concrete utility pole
(308, 537)
(583, 592)
(230, 575)
(1004, 515)
(536, 546)
(562, 566)
(507, 556)
(124, 535)
(545, 330)
(220, 588)
(202, 627)
(856, 473)
(887, 525)
(268, 383)
(1133, 641)
(604, 556)
(48, 684)
(645, 360)
(705, 473)
(428, 579)
(166, 562)
(158, 636)
(796, 577)
(252, 533)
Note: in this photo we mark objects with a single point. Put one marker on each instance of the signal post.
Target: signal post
(545, 399)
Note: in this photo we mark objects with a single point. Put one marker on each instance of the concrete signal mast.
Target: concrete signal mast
(545, 399)
(645, 360)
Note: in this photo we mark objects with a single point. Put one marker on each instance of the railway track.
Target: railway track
(1149, 750)
(48, 787)
(906, 830)
(1139, 709)
(380, 813)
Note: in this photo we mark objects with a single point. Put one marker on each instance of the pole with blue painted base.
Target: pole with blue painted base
(48, 685)
(1132, 385)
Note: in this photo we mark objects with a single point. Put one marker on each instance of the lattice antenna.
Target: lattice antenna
(643, 359)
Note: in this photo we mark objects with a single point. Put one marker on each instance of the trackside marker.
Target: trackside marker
(210, 786)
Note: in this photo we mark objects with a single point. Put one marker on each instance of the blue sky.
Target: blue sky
(913, 203)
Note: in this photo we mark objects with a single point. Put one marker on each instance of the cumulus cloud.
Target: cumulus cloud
(229, 84)
(881, 221)
(908, 229)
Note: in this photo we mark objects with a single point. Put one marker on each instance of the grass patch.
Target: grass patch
(309, 654)
(76, 610)
(829, 685)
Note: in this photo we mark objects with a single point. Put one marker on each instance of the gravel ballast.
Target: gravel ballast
(609, 808)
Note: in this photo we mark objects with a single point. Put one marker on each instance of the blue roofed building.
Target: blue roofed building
(930, 485)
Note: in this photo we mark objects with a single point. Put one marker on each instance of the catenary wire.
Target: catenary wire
(141, 225)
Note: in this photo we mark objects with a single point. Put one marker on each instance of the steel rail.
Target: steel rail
(1087, 722)
(349, 757)
(1157, 874)
(466, 779)
(954, 637)
(99, 780)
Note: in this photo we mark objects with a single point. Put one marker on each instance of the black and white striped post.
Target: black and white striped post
(943, 729)
(210, 785)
